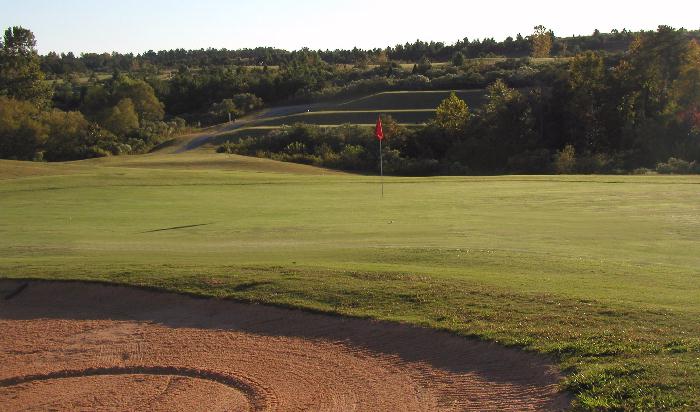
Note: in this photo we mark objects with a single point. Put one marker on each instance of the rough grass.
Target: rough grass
(13, 169)
(206, 160)
(601, 272)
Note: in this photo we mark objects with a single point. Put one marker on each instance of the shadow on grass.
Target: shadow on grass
(177, 227)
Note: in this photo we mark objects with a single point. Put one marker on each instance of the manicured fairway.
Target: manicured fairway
(602, 272)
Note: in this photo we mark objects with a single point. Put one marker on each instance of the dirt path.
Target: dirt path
(194, 141)
(68, 346)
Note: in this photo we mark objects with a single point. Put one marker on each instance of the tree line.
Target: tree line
(56, 65)
(119, 116)
(597, 114)
(606, 111)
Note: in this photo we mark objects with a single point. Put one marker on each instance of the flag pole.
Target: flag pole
(379, 134)
(381, 167)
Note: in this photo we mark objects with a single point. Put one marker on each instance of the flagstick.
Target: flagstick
(381, 167)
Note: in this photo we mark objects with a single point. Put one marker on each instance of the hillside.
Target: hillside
(195, 160)
(411, 100)
(408, 108)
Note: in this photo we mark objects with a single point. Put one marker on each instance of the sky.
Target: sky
(141, 25)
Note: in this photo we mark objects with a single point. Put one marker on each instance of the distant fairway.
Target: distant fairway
(408, 108)
(602, 272)
(412, 100)
(336, 117)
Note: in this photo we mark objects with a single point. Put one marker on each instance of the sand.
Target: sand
(78, 346)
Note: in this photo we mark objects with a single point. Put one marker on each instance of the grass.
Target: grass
(600, 272)
(206, 160)
(489, 61)
(412, 100)
(406, 107)
(338, 117)
(259, 131)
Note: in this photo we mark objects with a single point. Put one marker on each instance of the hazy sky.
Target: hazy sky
(139, 25)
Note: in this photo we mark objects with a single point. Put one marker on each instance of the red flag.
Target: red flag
(378, 130)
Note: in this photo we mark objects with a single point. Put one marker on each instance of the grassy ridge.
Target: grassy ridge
(408, 100)
(259, 131)
(354, 117)
(409, 108)
(601, 272)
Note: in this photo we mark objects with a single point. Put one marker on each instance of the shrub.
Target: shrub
(227, 147)
(678, 166)
(565, 160)
(295, 148)
(302, 158)
(595, 163)
(531, 162)
(351, 157)
(415, 82)
(457, 169)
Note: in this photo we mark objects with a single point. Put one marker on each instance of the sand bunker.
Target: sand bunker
(68, 346)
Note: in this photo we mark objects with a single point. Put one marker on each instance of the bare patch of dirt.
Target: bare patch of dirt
(68, 346)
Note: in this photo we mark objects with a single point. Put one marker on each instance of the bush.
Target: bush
(457, 169)
(295, 148)
(565, 160)
(96, 151)
(22, 133)
(302, 158)
(678, 166)
(352, 157)
(531, 162)
(227, 147)
(596, 163)
(416, 82)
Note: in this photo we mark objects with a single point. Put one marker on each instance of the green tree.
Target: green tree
(219, 111)
(653, 78)
(653, 62)
(68, 135)
(247, 102)
(507, 125)
(96, 101)
(541, 41)
(684, 106)
(499, 96)
(587, 84)
(452, 115)
(28, 133)
(141, 94)
(458, 59)
(565, 160)
(21, 132)
(122, 118)
(20, 73)
(424, 65)
(685, 91)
